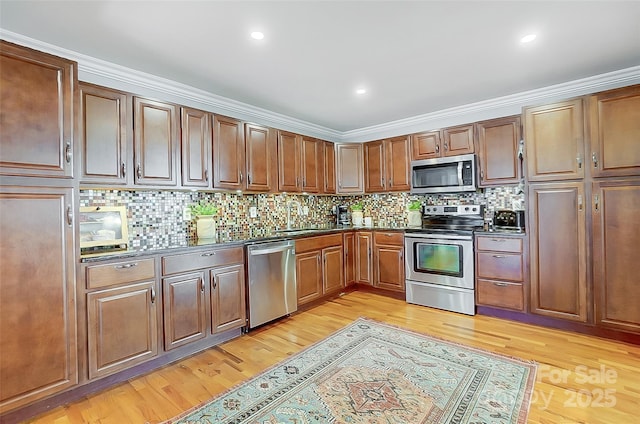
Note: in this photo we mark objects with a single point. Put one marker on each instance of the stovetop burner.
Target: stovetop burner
(453, 218)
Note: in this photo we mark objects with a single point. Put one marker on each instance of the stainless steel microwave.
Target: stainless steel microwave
(444, 175)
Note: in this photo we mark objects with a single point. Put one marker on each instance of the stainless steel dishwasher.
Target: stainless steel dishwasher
(272, 281)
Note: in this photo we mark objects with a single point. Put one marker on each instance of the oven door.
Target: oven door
(440, 259)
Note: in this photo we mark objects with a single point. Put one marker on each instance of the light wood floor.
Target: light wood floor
(580, 379)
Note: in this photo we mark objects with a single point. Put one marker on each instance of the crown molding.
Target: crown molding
(105, 73)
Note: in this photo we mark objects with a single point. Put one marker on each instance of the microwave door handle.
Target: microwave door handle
(460, 173)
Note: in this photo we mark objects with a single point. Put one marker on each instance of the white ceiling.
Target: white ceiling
(414, 57)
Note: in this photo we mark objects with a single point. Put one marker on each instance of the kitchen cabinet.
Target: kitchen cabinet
(451, 141)
(228, 153)
(498, 151)
(554, 141)
(38, 93)
(616, 232)
(387, 165)
(196, 147)
(329, 168)
(500, 272)
(38, 340)
(558, 250)
(614, 119)
(121, 304)
(289, 154)
(184, 309)
(312, 165)
(319, 267)
(228, 308)
(388, 260)
(364, 266)
(349, 244)
(261, 154)
(106, 133)
(426, 145)
(349, 168)
(156, 142)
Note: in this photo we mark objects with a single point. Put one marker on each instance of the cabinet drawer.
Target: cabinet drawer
(318, 242)
(500, 244)
(501, 294)
(202, 259)
(386, 237)
(500, 266)
(120, 272)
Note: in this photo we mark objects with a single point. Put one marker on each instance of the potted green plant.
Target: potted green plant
(205, 225)
(357, 214)
(414, 213)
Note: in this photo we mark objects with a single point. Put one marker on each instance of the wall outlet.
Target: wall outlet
(253, 212)
(186, 214)
(305, 210)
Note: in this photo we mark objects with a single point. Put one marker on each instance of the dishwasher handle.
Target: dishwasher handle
(269, 250)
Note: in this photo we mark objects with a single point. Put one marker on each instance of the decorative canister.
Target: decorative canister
(205, 227)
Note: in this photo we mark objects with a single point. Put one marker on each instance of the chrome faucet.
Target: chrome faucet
(289, 204)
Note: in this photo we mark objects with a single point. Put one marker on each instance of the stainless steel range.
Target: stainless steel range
(439, 258)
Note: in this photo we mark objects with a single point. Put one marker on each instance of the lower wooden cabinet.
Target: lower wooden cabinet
(388, 260)
(364, 267)
(319, 267)
(349, 245)
(308, 276)
(332, 269)
(184, 309)
(228, 309)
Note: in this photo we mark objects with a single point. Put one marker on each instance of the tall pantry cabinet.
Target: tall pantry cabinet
(38, 337)
(583, 169)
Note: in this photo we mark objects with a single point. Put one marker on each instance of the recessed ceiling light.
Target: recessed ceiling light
(257, 35)
(528, 38)
(361, 91)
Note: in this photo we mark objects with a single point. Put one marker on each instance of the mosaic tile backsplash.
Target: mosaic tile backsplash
(155, 218)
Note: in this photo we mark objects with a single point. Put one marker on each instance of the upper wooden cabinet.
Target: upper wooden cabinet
(439, 143)
(329, 186)
(554, 141)
(387, 165)
(349, 168)
(196, 148)
(260, 153)
(615, 132)
(156, 141)
(105, 135)
(312, 163)
(289, 153)
(38, 93)
(228, 153)
(498, 151)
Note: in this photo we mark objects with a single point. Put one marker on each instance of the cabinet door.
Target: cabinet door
(397, 164)
(458, 140)
(308, 276)
(349, 245)
(289, 146)
(558, 251)
(615, 132)
(38, 340)
(616, 237)
(155, 130)
(311, 164)
(329, 168)
(228, 307)
(228, 153)
(364, 241)
(332, 269)
(38, 93)
(350, 173)
(554, 141)
(389, 267)
(122, 328)
(374, 172)
(260, 155)
(184, 309)
(426, 145)
(498, 144)
(196, 148)
(105, 131)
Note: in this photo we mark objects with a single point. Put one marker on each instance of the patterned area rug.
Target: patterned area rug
(374, 373)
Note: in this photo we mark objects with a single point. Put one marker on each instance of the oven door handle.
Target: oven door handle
(460, 174)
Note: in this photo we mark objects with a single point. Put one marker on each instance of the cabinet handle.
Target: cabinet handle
(297, 181)
(579, 160)
(446, 146)
(153, 295)
(437, 148)
(340, 183)
(499, 256)
(215, 282)
(594, 158)
(390, 182)
(248, 178)
(580, 202)
(125, 266)
(206, 175)
(241, 177)
(68, 154)
(382, 181)
(596, 201)
(139, 171)
(208, 254)
(123, 169)
(498, 240)
(69, 215)
(500, 284)
(202, 285)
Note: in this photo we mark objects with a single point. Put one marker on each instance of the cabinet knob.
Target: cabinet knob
(241, 178)
(579, 160)
(594, 158)
(139, 171)
(206, 175)
(596, 202)
(123, 169)
(208, 254)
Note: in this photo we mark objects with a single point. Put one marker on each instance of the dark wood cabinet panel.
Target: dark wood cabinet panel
(329, 168)
(228, 308)
(616, 232)
(349, 245)
(458, 140)
(105, 135)
(554, 141)
(333, 269)
(155, 130)
(615, 132)
(498, 146)
(38, 341)
(364, 267)
(308, 276)
(289, 147)
(389, 267)
(349, 168)
(374, 170)
(312, 164)
(558, 250)
(228, 153)
(501, 294)
(121, 328)
(184, 309)
(260, 157)
(397, 164)
(500, 266)
(38, 93)
(196, 148)
(426, 145)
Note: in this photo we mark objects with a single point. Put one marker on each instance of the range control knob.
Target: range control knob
(467, 208)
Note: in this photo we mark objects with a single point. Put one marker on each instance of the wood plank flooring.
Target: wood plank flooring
(581, 379)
